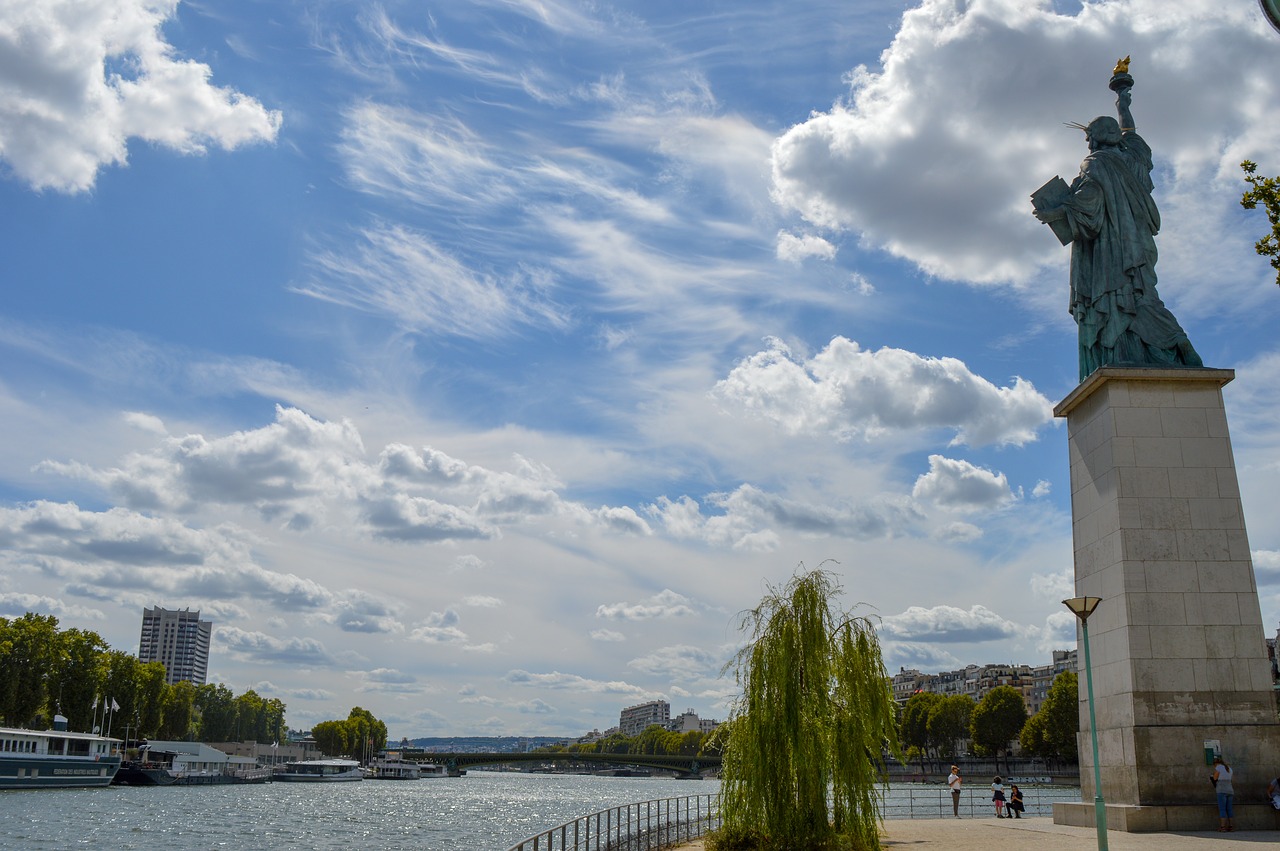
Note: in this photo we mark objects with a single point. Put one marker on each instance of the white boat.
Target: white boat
(429, 769)
(392, 766)
(320, 771)
(55, 759)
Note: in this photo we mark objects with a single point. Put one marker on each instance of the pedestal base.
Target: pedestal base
(1131, 819)
(1179, 659)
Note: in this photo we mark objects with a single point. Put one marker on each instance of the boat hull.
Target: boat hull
(134, 775)
(18, 772)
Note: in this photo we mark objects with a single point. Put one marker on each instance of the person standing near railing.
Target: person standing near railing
(953, 781)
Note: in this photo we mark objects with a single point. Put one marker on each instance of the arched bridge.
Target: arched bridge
(689, 766)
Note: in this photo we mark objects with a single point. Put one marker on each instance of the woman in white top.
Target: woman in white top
(1221, 778)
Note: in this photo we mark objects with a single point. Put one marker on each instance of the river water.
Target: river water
(484, 811)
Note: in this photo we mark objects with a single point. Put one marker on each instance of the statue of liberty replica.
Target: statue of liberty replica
(1110, 220)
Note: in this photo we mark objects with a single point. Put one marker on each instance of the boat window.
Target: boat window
(57, 745)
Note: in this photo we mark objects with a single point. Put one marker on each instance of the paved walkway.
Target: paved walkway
(1041, 834)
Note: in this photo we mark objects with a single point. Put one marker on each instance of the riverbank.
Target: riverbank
(1041, 834)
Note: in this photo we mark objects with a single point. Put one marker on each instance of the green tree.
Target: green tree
(120, 676)
(997, 720)
(215, 709)
(150, 697)
(1265, 191)
(804, 765)
(1051, 732)
(28, 650)
(949, 722)
(75, 679)
(914, 724)
(332, 737)
(178, 711)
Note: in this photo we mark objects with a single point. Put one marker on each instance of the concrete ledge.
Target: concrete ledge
(1100, 376)
(1125, 818)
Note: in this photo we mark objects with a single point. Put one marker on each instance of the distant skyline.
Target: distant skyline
(478, 364)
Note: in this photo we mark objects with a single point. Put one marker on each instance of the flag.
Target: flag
(275, 745)
(115, 707)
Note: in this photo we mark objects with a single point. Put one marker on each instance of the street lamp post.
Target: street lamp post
(1082, 607)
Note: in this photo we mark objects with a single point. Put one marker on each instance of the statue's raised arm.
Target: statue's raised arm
(1110, 219)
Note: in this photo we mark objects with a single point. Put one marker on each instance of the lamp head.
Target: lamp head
(1082, 607)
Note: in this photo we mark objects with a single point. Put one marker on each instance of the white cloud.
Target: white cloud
(957, 485)
(78, 79)
(847, 391)
(14, 604)
(1266, 566)
(439, 628)
(795, 248)
(262, 648)
(607, 635)
(948, 624)
(572, 682)
(664, 604)
(933, 153)
(957, 532)
(409, 278)
(752, 518)
(679, 662)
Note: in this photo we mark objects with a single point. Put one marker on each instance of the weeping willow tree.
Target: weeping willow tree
(803, 767)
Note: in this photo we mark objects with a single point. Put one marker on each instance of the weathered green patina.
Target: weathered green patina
(1110, 219)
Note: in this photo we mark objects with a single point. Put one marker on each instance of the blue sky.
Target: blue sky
(478, 363)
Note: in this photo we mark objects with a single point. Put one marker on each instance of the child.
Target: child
(997, 795)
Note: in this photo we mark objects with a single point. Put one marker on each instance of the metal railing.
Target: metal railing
(917, 801)
(642, 826)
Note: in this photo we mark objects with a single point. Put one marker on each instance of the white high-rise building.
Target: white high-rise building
(634, 719)
(177, 639)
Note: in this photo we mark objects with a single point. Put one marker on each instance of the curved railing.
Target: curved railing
(642, 826)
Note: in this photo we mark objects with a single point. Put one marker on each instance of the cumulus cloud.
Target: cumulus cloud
(849, 392)
(947, 624)
(299, 469)
(14, 604)
(103, 553)
(679, 662)
(78, 79)
(262, 648)
(926, 158)
(440, 628)
(664, 604)
(572, 682)
(607, 635)
(751, 518)
(960, 486)
(356, 611)
(795, 248)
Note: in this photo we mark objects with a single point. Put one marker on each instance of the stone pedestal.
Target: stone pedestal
(1178, 646)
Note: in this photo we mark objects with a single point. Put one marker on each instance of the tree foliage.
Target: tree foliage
(74, 673)
(1051, 732)
(804, 764)
(359, 735)
(914, 725)
(28, 650)
(997, 720)
(949, 723)
(1265, 191)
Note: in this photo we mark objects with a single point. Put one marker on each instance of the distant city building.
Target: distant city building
(977, 680)
(689, 722)
(634, 719)
(177, 639)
